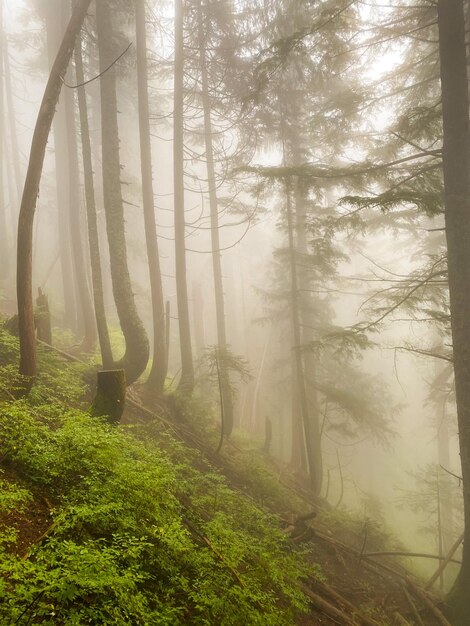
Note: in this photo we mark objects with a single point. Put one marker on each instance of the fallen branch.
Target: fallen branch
(400, 620)
(412, 554)
(413, 608)
(444, 563)
(235, 575)
(375, 565)
(325, 607)
(65, 355)
(340, 600)
(420, 594)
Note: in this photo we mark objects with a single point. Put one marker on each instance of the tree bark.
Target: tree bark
(456, 167)
(54, 12)
(160, 359)
(307, 323)
(215, 239)
(12, 120)
(186, 383)
(136, 356)
(83, 292)
(110, 395)
(298, 457)
(92, 222)
(4, 238)
(28, 361)
(297, 348)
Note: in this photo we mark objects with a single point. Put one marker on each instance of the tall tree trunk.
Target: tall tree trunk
(226, 390)
(92, 222)
(12, 120)
(297, 347)
(160, 359)
(54, 29)
(198, 319)
(75, 207)
(136, 356)
(456, 164)
(443, 444)
(4, 239)
(307, 321)
(28, 364)
(446, 509)
(298, 458)
(186, 383)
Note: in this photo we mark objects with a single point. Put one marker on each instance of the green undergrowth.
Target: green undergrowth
(242, 457)
(139, 534)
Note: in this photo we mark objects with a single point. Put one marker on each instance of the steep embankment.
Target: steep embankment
(142, 524)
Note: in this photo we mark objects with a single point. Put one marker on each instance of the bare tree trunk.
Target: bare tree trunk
(307, 324)
(84, 297)
(198, 319)
(447, 513)
(215, 239)
(54, 31)
(12, 120)
(136, 356)
(93, 238)
(297, 348)
(4, 239)
(298, 458)
(28, 365)
(446, 505)
(186, 383)
(160, 359)
(455, 106)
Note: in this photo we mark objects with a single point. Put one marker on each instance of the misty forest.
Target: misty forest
(235, 312)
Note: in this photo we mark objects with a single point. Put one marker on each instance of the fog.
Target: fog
(330, 325)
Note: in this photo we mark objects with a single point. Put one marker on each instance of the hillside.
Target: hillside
(144, 524)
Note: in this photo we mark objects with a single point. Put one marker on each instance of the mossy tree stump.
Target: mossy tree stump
(110, 395)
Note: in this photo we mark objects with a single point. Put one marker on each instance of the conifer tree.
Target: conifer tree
(92, 222)
(28, 360)
(136, 355)
(186, 383)
(456, 166)
(160, 358)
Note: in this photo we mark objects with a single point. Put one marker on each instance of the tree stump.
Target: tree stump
(110, 395)
(43, 318)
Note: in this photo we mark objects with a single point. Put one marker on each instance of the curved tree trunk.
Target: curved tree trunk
(136, 356)
(28, 363)
(186, 383)
(160, 359)
(93, 238)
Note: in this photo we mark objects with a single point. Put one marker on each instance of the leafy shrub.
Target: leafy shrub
(139, 534)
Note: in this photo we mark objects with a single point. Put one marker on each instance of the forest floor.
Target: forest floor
(366, 591)
(341, 587)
